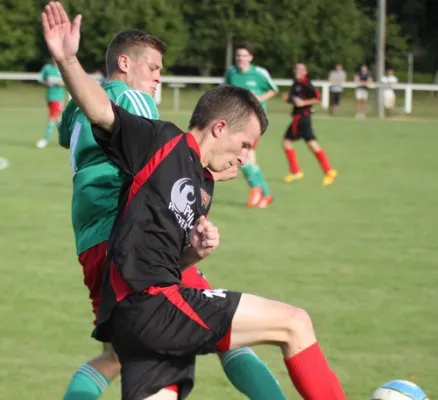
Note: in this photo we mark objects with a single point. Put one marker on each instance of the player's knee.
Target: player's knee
(287, 144)
(314, 145)
(299, 324)
(110, 354)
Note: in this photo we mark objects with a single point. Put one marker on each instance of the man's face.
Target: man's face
(144, 71)
(231, 149)
(300, 71)
(390, 72)
(339, 67)
(243, 59)
(364, 69)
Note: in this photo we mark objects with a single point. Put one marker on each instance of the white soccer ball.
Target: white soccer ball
(399, 390)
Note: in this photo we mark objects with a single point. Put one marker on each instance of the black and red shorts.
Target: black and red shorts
(157, 335)
(300, 128)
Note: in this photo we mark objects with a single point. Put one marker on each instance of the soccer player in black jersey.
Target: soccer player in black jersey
(303, 96)
(156, 325)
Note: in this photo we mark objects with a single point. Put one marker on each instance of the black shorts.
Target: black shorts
(335, 98)
(158, 334)
(300, 128)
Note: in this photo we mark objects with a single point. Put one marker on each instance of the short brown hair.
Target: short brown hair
(247, 46)
(128, 42)
(233, 104)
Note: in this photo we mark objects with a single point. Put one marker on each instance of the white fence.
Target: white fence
(178, 82)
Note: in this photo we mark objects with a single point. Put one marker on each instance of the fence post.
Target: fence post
(176, 87)
(408, 99)
(325, 96)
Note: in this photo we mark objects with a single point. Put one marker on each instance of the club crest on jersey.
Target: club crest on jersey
(182, 196)
(206, 198)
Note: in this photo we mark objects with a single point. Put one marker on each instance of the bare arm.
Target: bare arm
(190, 257)
(88, 95)
(310, 102)
(267, 95)
(62, 39)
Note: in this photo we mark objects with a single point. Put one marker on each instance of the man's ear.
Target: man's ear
(219, 127)
(123, 62)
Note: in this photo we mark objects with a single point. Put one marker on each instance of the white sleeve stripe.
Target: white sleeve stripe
(137, 106)
(144, 102)
(266, 75)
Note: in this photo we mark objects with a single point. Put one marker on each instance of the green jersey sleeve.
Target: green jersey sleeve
(64, 127)
(138, 103)
(43, 75)
(267, 82)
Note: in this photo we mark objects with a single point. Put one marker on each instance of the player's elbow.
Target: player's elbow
(102, 116)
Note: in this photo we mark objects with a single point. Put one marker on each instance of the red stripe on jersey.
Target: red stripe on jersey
(174, 296)
(120, 287)
(318, 94)
(141, 178)
(193, 144)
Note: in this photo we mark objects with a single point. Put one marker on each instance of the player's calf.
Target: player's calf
(261, 321)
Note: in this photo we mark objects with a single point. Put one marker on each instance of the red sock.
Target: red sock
(312, 376)
(323, 160)
(291, 156)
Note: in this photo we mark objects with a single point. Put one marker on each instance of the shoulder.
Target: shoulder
(262, 71)
(137, 102)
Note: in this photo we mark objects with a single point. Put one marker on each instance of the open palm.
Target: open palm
(61, 36)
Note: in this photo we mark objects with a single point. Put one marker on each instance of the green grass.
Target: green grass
(360, 256)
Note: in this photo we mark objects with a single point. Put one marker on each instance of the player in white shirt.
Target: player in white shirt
(388, 93)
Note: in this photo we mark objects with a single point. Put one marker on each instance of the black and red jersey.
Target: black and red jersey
(303, 89)
(166, 191)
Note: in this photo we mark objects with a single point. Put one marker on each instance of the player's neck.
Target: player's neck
(204, 142)
(245, 69)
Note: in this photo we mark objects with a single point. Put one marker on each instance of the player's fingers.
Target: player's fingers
(55, 11)
(210, 244)
(211, 234)
(76, 25)
(201, 223)
(62, 13)
(49, 15)
(45, 21)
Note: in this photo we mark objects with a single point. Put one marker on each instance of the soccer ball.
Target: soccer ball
(399, 390)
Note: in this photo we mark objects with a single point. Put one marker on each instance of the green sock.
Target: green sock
(49, 130)
(261, 180)
(250, 375)
(249, 174)
(86, 384)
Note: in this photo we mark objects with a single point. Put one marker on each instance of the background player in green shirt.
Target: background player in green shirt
(55, 96)
(246, 75)
(134, 62)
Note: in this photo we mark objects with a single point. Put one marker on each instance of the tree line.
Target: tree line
(319, 32)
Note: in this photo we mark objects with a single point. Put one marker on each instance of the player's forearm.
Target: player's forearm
(87, 94)
(189, 258)
(311, 102)
(266, 96)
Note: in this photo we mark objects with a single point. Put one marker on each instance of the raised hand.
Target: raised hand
(204, 237)
(61, 36)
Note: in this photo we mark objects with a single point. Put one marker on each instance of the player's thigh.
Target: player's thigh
(258, 320)
(306, 132)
